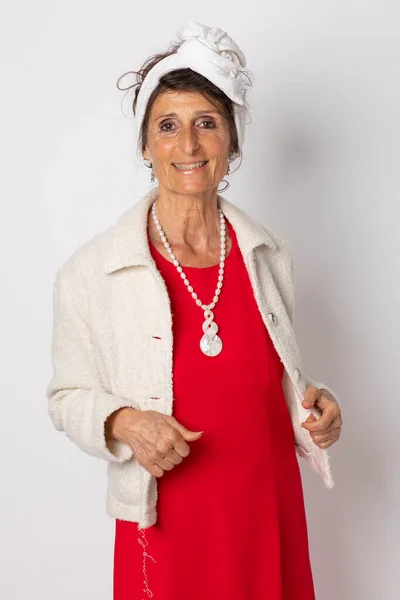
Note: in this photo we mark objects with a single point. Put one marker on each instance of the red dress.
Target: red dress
(231, 522)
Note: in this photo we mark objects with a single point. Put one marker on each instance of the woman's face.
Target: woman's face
(185, 129)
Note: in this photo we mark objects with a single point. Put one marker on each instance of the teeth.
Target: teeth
(191, 166)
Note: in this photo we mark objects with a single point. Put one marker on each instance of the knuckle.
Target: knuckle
(176, 436)
(152, 453)
(163, 448)
(325, 444)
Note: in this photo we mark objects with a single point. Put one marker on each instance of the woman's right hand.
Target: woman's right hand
(158, 441)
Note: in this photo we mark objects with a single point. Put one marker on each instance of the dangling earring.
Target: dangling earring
(149, 165)
(226, 181)
(226, 186)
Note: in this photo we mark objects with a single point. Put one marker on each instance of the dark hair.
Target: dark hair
(183, 80)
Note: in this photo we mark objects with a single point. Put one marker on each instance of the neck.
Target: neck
(190, 221)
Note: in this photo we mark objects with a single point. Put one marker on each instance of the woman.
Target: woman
(197, 401)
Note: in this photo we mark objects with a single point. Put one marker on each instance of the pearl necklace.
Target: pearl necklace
(210, 342)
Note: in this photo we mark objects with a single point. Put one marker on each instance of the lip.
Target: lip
(195, 170)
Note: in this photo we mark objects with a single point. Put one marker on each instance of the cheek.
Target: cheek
(220, 165)
(220, 138)
(218, 147)
(157, 142)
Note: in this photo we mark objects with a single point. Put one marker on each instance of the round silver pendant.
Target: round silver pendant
(211, 348)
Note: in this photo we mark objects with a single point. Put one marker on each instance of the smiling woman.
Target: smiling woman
(186, 116)
(190, 133)
(179, 319)
(191, 129)
(189, 153)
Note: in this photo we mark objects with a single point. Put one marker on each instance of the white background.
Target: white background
(321, 168)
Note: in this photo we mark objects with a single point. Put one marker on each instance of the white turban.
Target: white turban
(213, 54)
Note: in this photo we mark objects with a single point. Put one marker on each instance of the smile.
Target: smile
(190, 166)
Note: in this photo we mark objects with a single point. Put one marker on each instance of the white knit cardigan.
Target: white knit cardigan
(112, 345)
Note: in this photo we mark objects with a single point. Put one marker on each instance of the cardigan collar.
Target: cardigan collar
(129, 245)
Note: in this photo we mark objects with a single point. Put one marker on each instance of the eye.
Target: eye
(209, 124)
(166, 126)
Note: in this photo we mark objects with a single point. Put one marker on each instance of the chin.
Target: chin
(192, 188)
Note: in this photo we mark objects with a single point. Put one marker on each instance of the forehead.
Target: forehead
(181, 102)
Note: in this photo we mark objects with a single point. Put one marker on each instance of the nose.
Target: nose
(188, 140)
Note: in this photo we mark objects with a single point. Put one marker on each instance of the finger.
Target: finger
(164, 463)
(154, 469)
(330, 431)
(315, 431)
(182, 447)
(173, 457)
(338, 422)
(310, 419)
(324, 422)
(325, 445)
(311, 396)
(322, 437)
(184, 431)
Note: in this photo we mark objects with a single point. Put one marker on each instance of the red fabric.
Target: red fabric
(231, 518)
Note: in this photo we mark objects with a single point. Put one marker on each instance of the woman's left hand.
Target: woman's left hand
(325, 431)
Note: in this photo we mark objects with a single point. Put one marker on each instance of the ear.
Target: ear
(146, 153)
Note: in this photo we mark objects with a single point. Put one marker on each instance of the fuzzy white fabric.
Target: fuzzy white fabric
(211, 53)
(111, 305)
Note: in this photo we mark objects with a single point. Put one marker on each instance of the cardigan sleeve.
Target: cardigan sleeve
(77, 402)
(291, 312)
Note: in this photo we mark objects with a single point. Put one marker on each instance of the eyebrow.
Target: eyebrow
(196, 114)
